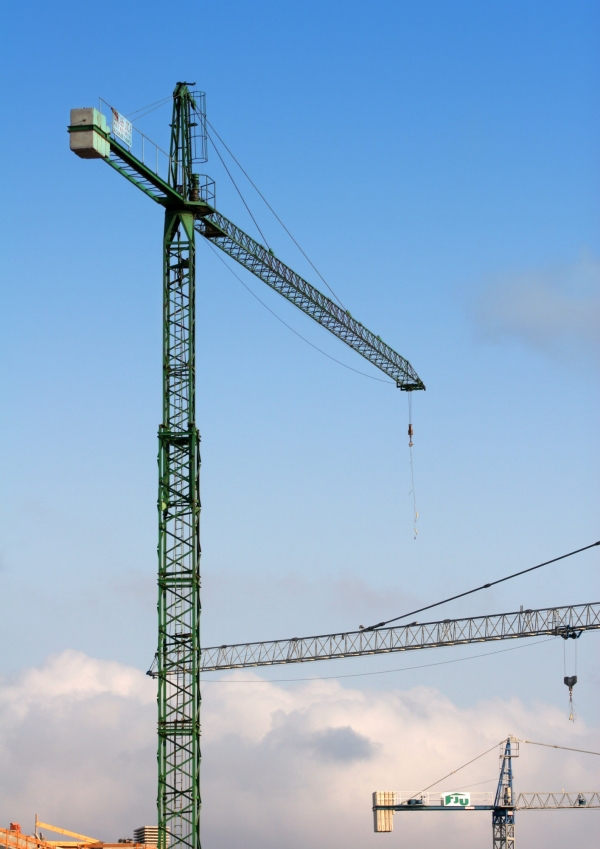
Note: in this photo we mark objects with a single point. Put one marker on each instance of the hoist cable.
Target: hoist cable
(244, 172)
(482, 587)
(237, 189)
(273, 313)
(412, 469)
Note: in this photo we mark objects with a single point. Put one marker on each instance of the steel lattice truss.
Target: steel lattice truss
(550, 801)
(178, 656)
(450, 632)
(398, 801)
(503, 831)
(265, 265)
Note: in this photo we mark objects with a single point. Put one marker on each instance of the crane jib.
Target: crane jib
(556, 621)
(265, 265)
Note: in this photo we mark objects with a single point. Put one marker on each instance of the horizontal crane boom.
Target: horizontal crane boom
(557, 801)
(558, 621)
(265, 265)
(563, 800)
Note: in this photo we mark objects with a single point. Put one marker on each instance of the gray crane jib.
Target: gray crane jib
(559, 621)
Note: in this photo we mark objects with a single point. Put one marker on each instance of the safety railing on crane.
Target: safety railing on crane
(125, 133)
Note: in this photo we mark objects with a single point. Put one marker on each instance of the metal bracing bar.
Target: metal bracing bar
(450, 632)
(265, 265)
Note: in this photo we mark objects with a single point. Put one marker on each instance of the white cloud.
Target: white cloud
(282, 766)
(76, 745)
(548, 308)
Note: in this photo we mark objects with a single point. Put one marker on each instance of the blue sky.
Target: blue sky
(438, 163)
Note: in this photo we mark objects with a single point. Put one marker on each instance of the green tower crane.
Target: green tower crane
(188, 199)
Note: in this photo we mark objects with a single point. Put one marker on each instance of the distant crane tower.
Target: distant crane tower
(503, 805)
(188, 199)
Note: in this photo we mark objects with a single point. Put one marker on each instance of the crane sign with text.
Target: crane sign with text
(456, 800)
(122, 128)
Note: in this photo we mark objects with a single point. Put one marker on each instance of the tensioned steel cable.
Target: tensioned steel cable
(460, 595)
(482, 587)
(150, 107)
(459, 769)
(237, 189)
(255, 187)
(564, 748)
(289, 327)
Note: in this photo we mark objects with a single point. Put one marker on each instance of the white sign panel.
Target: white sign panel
(122, 128)
(456, 800)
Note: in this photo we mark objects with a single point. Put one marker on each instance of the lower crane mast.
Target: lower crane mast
(178, 656)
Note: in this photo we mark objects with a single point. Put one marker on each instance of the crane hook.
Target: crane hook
(570, 681)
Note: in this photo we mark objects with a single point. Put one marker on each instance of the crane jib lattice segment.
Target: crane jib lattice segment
(403, 801)
(263, 264)
(502, 626)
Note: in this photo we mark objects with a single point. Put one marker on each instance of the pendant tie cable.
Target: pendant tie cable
(564, 748)
(459, 595)
(145, 110)
(482, 587)
(230, 175)
(443, 778)
(263, 198)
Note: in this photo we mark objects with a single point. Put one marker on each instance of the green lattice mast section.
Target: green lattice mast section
(178, 659)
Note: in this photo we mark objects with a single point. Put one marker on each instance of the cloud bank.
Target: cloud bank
(283, 766)
(551, 309)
